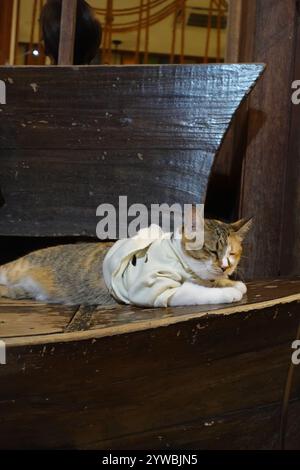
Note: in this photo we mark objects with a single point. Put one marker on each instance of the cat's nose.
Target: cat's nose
(224, 264)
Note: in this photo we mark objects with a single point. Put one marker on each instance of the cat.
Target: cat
(72, 274)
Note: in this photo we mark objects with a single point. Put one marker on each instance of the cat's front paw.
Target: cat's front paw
(241, 287)
(231, 294)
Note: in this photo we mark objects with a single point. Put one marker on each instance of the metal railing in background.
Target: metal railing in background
(141, 18)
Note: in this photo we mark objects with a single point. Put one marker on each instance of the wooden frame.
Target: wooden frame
(268, 31)
(100, 128)
(121, 378)
(68, 29)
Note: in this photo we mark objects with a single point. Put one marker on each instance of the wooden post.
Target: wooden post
(234, 31)
(208, 34)
(6, 8)
(138, 38)
(183, 18)
(67, 32)
(268, 169)
(146, 55)
(173, 46)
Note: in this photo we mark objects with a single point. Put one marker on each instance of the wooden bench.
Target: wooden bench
(113, 376)
(124, 378)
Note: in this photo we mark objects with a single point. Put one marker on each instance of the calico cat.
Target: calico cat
(159, 273)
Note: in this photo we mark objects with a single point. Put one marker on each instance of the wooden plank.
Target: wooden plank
(219, 368)
(264, 173)
(292, 438)
(110, 127)
(6, 8)
(113, 319)
(290, 422)
(255, 429)
(234, 31)
(260, 295)
(32, 318)
(67, 32)
(226, 174)
(290, 245)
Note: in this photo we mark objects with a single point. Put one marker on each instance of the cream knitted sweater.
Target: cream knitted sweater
(145, 270)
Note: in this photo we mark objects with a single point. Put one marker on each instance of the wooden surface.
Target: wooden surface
(126, 378)
(148, 132)
(84, 322)
(270, 178)
(67, 32)
(290, 253)
(6, 8)
(234, 31)
(227, 173)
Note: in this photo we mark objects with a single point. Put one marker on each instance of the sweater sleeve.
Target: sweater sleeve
(155, 288)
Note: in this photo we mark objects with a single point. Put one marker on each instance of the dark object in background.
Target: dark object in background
(88, 31)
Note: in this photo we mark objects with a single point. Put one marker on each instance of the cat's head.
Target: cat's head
(222, 248)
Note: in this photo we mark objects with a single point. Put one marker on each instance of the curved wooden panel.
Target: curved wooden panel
(72, 138)
(119, 377)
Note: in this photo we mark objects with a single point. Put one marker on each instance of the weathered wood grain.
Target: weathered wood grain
(73, 138)
(5, 30)
(292, 438)
(217, 432)
(207, 381)
(269, 35)
(290, 246)
(31, 318)
(67, 32)
(112, 319)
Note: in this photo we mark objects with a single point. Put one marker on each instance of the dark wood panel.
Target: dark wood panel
(290, 246)
(260, 295)
(30, 318)
(130, 388)
(72, 138)
(271, 40)
(112, 318)
(291, 423)
(62, 195)
(68, 30)
(6, 8)
(292, 438)
(255, 429)
(226, 175)
(156, 106)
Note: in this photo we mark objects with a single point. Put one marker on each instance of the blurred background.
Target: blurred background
(134, 31)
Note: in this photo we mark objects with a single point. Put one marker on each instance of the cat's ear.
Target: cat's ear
(242, 227)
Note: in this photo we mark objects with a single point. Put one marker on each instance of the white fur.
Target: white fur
(192, 294)
(32, 287)
(227, 259)
(3, 277)
(241, 287)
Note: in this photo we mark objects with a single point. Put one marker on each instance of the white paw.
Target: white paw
(231, 294)
(241, 287)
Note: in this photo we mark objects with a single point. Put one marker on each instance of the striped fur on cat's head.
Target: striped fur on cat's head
(222, 248)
